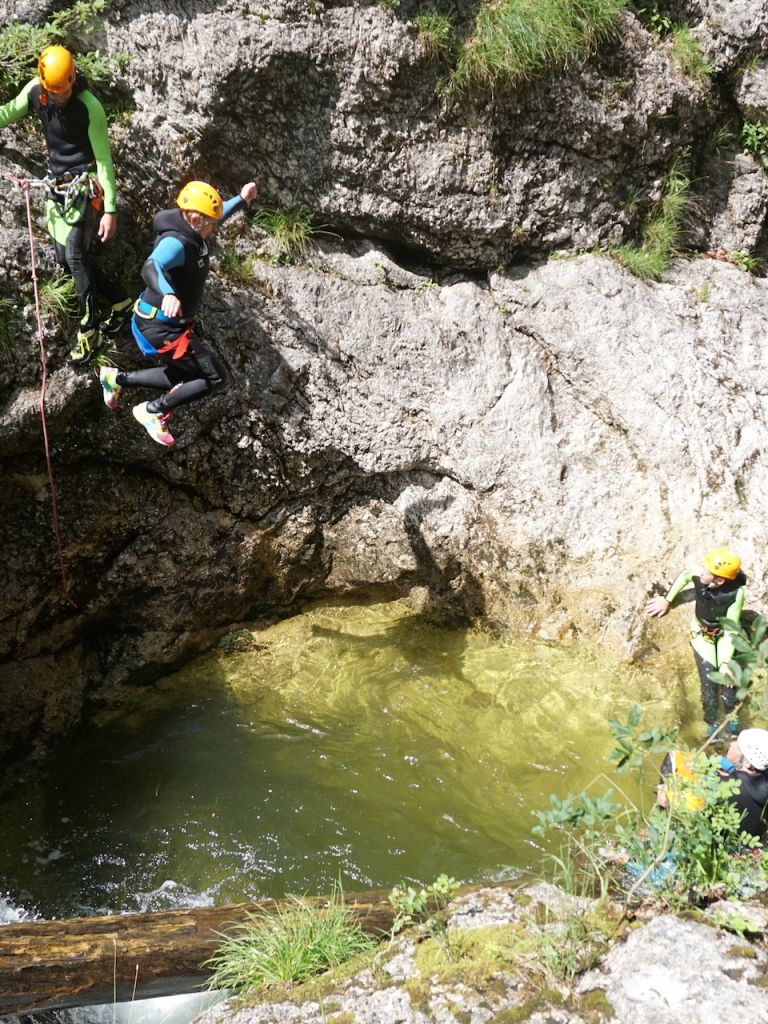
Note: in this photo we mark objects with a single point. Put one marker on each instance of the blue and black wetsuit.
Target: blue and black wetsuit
(178, 265)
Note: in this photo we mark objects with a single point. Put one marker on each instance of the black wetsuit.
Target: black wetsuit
(751, 800)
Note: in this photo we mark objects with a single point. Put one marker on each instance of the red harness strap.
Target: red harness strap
(178, 346)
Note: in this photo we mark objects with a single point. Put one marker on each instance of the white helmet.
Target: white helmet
(753, 744)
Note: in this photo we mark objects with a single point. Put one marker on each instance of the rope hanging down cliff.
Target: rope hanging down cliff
(24, 184)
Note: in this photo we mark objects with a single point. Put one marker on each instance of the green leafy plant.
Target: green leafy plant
(655, 21)
(514, 40)
(293, 944)
(292, 229)
(410, 903)
(694, 848)
(745, 260)
(435, 32)
(685, 51)
(754, 137)
(661, 233)
(58, 297)
(21, 43)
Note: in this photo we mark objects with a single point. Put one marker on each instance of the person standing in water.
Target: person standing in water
(163, 322)
(719, 588)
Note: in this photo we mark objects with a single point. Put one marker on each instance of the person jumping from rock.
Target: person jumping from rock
(82, 195)
(719, 588)
(163, 322)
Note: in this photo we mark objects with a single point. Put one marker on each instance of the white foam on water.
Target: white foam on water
(10, 913)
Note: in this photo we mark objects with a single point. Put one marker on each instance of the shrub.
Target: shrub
(517, 39)
(20, 44)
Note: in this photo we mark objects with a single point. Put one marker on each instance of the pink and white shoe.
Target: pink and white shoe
(154, 424)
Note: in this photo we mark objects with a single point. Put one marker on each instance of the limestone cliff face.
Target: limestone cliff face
(424, 402)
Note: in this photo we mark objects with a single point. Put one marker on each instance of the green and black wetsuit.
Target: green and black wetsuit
(77, 140)
(712, 645)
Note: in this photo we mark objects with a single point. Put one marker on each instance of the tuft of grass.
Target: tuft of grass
(233, 265)
(661, 234)
(21, 43)
(10, 325)
(514, 40)
(292, 945)
(435, 32)
(58, 297)
(685, 51)
(291, 229)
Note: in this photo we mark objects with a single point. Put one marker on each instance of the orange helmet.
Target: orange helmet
(56, 69)
(201, 198)
(722, 562)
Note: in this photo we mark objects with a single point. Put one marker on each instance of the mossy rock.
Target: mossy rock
(746, 951)
(595, 1006)
(546, 999)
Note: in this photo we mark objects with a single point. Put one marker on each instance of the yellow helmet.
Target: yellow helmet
(722, 562)
(201, 198)
(56, 69)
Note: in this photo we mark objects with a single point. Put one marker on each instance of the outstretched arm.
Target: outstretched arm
(18, 107)
(658, 606)
(247, 195)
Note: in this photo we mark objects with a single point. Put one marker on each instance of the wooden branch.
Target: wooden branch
(90, 960)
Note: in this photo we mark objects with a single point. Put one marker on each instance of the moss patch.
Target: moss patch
(742, 951)
(596, 1007)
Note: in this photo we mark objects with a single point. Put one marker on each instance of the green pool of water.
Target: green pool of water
(355, 743)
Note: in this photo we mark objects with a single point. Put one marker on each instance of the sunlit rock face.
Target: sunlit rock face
(422, 402)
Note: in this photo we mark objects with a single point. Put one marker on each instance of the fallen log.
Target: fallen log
(90, 960)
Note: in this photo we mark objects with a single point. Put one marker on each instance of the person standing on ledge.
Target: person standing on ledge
(82, 195)
(163, 322)
(719, 588)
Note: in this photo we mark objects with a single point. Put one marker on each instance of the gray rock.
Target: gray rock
(752, 94)
(655, 977)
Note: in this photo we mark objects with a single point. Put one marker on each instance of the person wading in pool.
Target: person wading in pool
(719, 588)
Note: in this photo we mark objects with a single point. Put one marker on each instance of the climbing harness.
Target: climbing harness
(69, 191)
(25, 184)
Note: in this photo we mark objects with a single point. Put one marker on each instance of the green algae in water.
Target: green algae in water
(360, 743)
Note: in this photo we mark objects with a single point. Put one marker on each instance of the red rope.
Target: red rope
(24, 185)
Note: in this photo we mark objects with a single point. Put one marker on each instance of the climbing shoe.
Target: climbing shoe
(112, 390)
(118, 317)
(153, 423)
(84, 347)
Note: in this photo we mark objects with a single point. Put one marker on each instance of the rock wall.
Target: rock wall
(425, 402)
